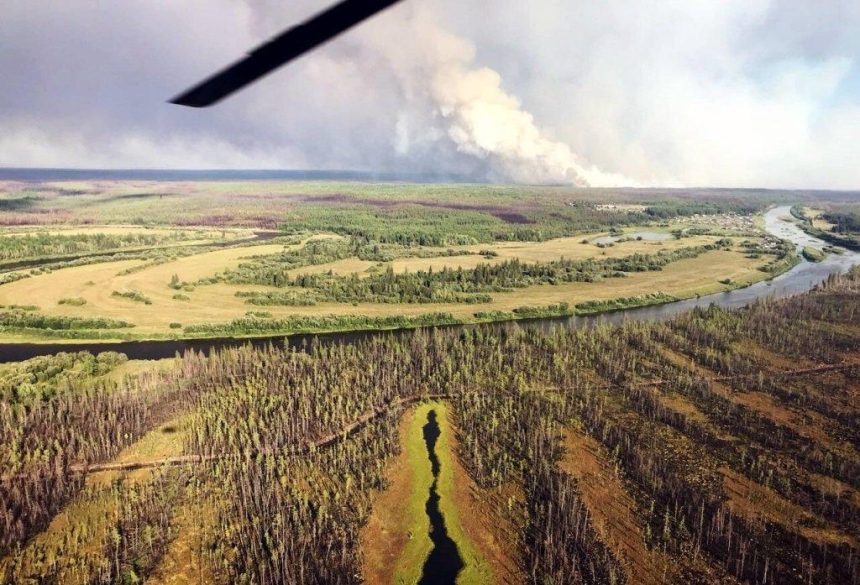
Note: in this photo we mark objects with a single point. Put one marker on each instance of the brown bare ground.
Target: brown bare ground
(482, 518)
(809, 425)
(384, 537)
(613, 511)
(681, 405)
(764, 355)
(759, 503)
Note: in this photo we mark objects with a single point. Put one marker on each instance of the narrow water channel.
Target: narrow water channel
(444, 563)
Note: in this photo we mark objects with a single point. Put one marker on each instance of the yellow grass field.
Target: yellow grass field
(218, 303)
(818, 222)
(570, 248)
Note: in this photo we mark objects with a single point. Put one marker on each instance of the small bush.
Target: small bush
(75, 302)
(133, 295)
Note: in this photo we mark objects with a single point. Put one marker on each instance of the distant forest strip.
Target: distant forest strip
(17, 319)
(37, 245)
(426, 215)
(448, 223)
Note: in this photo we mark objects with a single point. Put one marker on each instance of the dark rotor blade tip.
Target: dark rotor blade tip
(282, 49)
(183, 100)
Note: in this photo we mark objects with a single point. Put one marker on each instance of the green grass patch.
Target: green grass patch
(411, 562)
(813, 254)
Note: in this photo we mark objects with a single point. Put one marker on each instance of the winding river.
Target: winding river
(799, 279)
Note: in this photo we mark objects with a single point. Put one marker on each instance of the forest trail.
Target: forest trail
(372, 415)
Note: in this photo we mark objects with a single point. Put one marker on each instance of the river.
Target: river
(799, 279)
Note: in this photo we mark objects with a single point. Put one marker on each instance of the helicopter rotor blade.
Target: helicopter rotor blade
(280, 50)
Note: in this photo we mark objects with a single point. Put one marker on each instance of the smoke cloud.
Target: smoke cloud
(468, 105)
(622, 92)
(450, 101)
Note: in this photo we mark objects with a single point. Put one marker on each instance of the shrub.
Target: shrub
(75, 302)
(133, 295)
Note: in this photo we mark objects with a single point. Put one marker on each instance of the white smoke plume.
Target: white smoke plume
(469, 107)
(449, 102)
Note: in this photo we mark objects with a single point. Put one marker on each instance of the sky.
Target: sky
(704, 93)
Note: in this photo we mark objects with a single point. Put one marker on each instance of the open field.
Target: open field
(218, 303)
(140, 292)
(606, 455)
(574, 248)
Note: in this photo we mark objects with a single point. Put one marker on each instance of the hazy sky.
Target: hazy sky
(648, 92)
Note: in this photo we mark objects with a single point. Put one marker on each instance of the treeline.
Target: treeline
(454, 284)
(619, 304)
(672, 209)
(41, 378)
(38, 245)
(16, 320)
(844, 222)
(252, 324)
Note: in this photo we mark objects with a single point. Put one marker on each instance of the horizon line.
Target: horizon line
(19, 173)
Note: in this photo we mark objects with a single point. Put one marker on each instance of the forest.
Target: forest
(447, 285)
(842, 224)
(719, 446)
